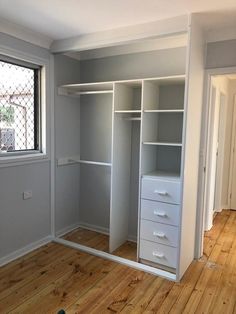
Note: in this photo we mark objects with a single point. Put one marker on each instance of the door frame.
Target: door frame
(204, 156)
(232, 151)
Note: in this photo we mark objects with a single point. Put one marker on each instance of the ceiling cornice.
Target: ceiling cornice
(25, 34)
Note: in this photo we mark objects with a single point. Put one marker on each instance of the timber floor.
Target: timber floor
(55, 277)
(100, 242)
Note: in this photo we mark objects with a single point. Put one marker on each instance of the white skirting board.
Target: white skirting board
(67, 229)
(117, 259)
(25, 250)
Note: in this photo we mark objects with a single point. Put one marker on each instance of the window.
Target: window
(19, 107)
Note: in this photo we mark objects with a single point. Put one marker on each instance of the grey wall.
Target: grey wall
(138, 65)
(221, 54)
(23, 222)
(67, 142)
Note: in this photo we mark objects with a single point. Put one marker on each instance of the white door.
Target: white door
(233, 164)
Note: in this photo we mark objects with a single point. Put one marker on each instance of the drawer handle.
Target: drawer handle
(158, 254)
(160, 214)
(162, 193)
(159, 234)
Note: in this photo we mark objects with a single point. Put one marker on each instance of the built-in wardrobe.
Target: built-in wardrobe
(132, 121)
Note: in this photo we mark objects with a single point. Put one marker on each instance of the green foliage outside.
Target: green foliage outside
(7, 114)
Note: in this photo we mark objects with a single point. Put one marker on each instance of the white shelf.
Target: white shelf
(163, 144)
(127, 111)
(162, 175)
(164, 111)
(86, 88)
(167, 80)
(107, 87)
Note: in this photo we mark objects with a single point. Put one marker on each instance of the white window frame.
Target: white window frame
(15, 158)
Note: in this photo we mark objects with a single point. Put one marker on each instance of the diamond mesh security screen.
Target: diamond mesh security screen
(18, 112)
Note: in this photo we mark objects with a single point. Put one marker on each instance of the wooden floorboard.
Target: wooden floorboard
(56, 277)
(100, 242)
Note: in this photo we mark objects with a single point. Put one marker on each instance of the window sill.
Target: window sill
(17, 160)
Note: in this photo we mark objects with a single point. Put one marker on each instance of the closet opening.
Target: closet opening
(218, 189)
(95, 124)
(128, 157)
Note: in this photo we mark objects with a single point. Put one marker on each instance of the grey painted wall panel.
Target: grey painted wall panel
(131, 66)
(24, 221)
(95, 195)
(95, 127)
(221, 54)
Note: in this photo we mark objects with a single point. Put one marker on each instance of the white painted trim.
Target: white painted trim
(52, 146)
(45, 105)
(186, 96)
(233, 135)
(25, 250)
(117, 259)
(129, 34)
(210, 153)
(204, 129)
(26, 34)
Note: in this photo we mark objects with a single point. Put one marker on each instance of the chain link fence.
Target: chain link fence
(17, 107)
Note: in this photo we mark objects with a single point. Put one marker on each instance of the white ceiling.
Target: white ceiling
(58, 19)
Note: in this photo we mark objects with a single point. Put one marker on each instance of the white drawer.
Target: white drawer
(161, 190)
(160, 212)
(156, 232)
(158, 253)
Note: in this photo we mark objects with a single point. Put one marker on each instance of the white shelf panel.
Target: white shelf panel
(86, 88)
(163, 144)
(127, 111)
(167, 80)
(164, 111)
(107, 87)
(162, 175)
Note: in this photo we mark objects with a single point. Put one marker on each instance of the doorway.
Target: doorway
(217, 188)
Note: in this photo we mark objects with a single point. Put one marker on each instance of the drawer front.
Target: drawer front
(156, 232)
(158, 253)
(161, 190)
(160, 212)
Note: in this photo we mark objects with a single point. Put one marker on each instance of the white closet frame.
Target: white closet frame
(190, 159)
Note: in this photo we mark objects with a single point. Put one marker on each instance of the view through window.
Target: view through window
(19, 111)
